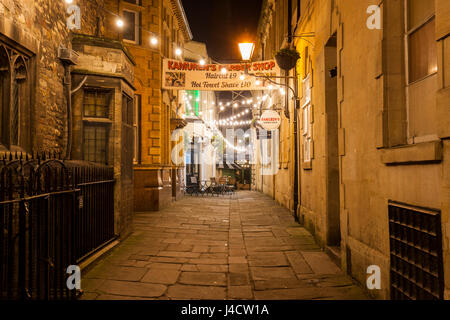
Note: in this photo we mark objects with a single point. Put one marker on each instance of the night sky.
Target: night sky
(221, 24)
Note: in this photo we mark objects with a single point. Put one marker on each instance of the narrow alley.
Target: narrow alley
(241, 247)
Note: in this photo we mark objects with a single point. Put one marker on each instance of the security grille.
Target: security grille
(416, 253)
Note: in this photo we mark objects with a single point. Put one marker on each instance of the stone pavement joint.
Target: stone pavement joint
(240, 247)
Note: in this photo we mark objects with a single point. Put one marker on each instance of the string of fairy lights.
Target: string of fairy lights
(231, 121)
(234, 119)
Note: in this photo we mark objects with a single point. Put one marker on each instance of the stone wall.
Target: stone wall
(40, 27)
(272, 30)
(371, 172)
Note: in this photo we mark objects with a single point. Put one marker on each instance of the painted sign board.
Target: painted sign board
(183, 75)
(270, 120)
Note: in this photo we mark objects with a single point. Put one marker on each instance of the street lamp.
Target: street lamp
(246, 49)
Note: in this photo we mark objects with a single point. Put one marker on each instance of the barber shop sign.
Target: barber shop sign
(270, 120)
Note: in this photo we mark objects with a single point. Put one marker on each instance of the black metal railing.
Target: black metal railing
(53, 213)
(94, 226)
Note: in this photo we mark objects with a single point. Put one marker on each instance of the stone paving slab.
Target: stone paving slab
(240, 247)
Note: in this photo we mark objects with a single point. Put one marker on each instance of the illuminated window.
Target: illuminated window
(420, 30)
(307, 120)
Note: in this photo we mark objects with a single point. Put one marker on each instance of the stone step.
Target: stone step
(334, 252)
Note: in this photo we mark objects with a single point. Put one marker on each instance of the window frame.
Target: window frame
(15, 56)
(98, 121)
(93, 124)
(135, 2)
(137, 128)
(307, 122)
(137, 27)
(407, 33)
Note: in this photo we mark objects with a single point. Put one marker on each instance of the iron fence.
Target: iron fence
(53, 214)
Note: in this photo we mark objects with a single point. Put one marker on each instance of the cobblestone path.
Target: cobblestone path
(240, 247)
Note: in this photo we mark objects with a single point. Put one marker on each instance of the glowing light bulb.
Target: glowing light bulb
(223, 70)
(69, 1)
(178, 52)
(119, 23)
(202, 62)
(154, 41)
(257, 82)
(242, 77)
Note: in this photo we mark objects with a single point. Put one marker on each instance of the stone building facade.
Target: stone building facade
(373, 123)
(103, 113)
(43, 66)
(157, 179)
(31, 33)
(275, 178)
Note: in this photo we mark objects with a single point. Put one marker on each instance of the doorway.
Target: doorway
(333, 237)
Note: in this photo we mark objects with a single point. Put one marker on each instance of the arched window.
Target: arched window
(19, 100)
(5, 84)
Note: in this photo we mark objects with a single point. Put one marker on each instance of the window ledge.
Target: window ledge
(427, 152)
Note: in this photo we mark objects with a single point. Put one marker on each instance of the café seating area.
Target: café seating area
(213, 187)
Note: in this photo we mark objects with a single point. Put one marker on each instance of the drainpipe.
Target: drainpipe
(296, 160)
(69, 58)
(68, 88)
(296, 102)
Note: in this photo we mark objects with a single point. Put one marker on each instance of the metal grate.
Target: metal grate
(416, 253)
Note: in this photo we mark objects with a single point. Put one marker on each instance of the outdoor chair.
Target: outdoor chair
(204, 187)
(193, 187)
(215, 188)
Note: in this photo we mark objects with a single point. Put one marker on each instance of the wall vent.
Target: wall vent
(415, 252)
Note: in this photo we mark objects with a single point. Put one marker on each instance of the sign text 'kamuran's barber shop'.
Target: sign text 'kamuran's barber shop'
(182, 75)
